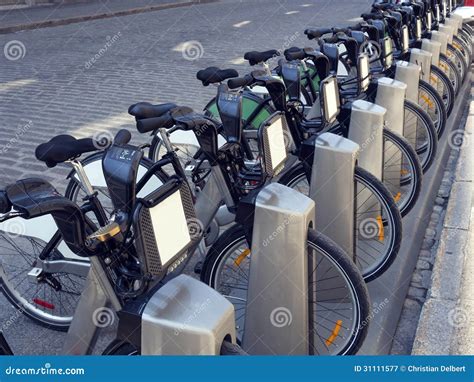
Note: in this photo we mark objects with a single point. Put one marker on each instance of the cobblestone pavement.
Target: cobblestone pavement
(60, 11)
(81, 78)
(447, 319)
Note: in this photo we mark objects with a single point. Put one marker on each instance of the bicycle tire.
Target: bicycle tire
(414, 170)
(448, 68)
(448, 95)
(356, 284)
(427, 151)
(392, 223)
(435, 104)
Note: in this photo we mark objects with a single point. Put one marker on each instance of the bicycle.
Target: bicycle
(125, 265)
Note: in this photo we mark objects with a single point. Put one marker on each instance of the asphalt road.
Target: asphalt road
(80, 79)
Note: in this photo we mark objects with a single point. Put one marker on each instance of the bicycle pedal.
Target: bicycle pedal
(105, 233)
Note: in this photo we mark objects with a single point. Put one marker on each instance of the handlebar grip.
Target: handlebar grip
(150, 124)
(5, 205)
(86, 145)
(240, 82)
(122, 137)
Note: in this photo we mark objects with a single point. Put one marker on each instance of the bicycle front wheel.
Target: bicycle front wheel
(444, 86)
(448, 68)
(402, 172)
(433, 105)
(457, 59)
(341, 309)
(421, 133)
(375, 211)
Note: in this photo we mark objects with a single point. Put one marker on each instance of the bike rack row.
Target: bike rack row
(281, 220)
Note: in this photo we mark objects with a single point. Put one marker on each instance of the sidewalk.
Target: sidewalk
(61, 14)
(446, 324)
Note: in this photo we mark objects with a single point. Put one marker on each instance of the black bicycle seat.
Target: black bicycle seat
(255, 57)
(64, 147)
(214, 75)
(142, 110)
(313, 33)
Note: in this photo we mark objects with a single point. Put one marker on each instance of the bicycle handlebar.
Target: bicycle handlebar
(151, 124)
(240, 82)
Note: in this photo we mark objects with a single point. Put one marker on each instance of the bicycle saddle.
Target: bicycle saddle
(35, 197)
(313, 33)
(214, 75)
(255, 57)
(142, 110)
(65, 147)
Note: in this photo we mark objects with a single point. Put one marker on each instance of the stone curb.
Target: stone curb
(394, 284)
(79, 19)
(444, 311)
